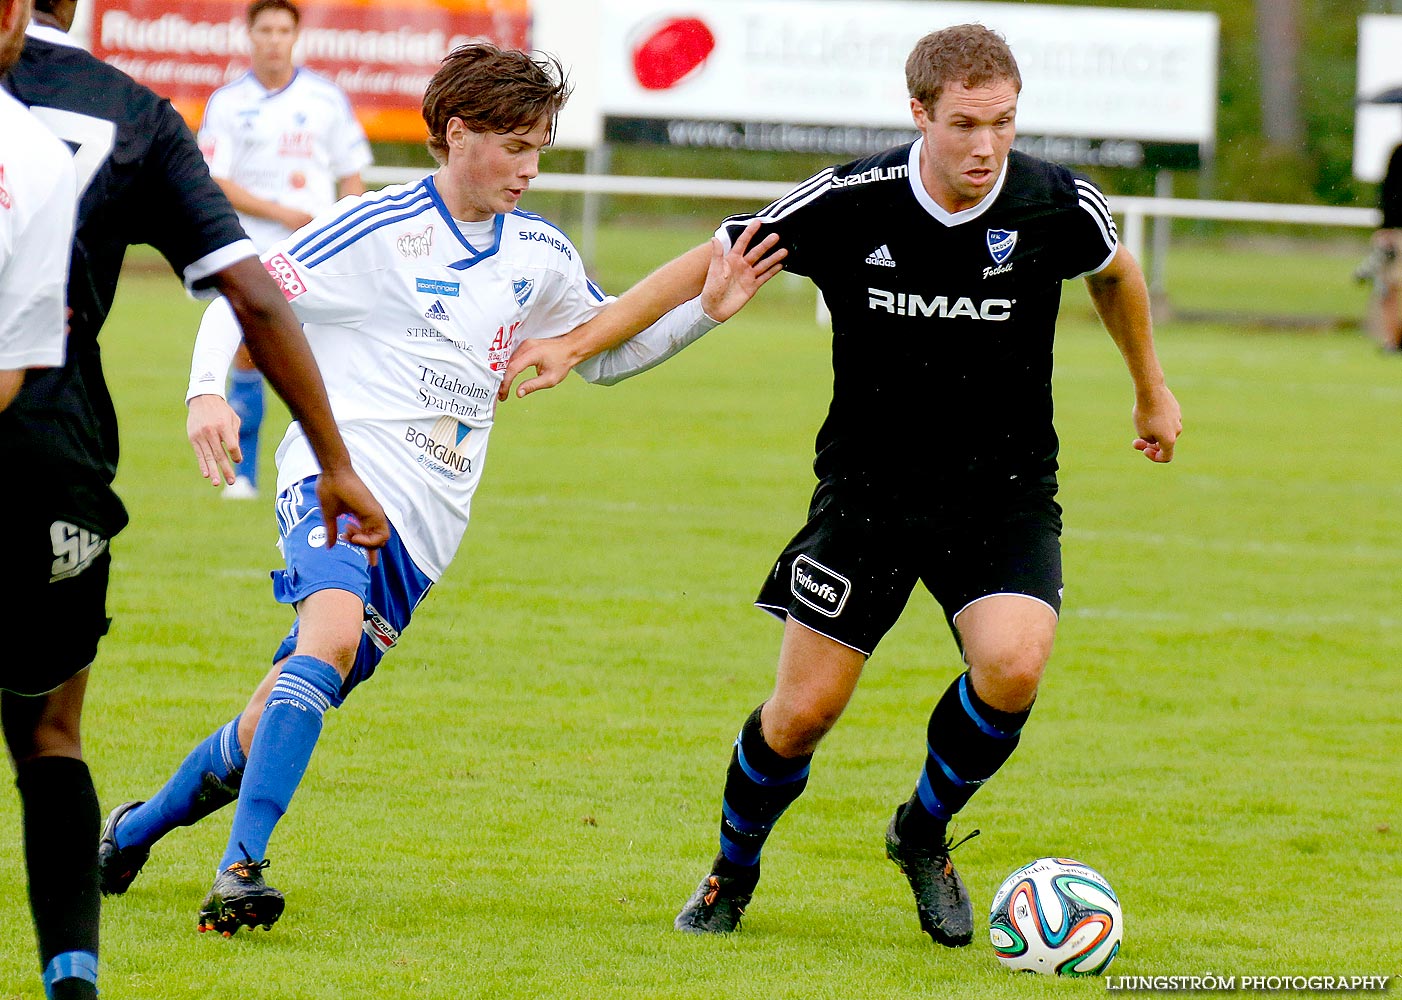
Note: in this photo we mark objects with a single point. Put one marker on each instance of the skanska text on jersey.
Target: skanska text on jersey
(554, 241)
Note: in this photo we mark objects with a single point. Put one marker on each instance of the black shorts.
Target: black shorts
(55, 604)
(848, 574)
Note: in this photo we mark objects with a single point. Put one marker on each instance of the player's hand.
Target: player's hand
(213, 429)
(551, 358)
(1159, 423)
(735, 275)
(342, 492)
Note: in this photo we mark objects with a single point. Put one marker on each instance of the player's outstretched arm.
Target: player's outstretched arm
(275, 340)
(726, 280)
(1121, 298)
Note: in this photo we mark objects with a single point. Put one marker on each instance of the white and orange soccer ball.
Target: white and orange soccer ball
(1056, 916)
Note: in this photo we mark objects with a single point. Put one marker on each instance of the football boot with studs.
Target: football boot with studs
(941, 900)
(240, 898)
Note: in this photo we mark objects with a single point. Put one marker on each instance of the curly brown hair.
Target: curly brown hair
(966, 53)
(492, 90)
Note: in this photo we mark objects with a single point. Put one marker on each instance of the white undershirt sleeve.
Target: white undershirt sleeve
(215, 346)
(684, 325)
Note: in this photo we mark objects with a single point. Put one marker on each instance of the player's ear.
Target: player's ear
(918, 114)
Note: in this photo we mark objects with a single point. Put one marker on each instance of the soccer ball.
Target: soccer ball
(1058, 917)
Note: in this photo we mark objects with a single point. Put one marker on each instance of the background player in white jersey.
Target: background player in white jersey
(942, 262)
(412, 298)
(283, 144)
(59, 437)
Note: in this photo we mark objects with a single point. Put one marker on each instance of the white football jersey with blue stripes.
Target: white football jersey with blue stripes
(412, 323)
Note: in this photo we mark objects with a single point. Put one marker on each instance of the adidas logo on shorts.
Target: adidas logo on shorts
(881, 257)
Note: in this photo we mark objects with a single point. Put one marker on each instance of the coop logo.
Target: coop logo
(819, 587)
(431, 286)
(285, 275)
(869, 176)
(939, 307)
(1001, 243)
(415, 245)
(377, 627)
(440, 449)
(534, 236)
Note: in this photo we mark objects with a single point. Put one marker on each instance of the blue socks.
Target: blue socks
(72, 974)
(208, 779)
(759, 786)
(282, 747)
(967, 742)
(246, 399)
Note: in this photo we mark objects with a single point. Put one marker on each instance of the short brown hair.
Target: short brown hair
(492, 90)
(966, 53)
(258, 6)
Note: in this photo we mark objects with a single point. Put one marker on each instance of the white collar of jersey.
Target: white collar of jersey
(944, 216)
(267, 94)
(474, 255)
(48, 33)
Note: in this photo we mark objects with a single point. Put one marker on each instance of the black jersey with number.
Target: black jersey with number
(942, 322)
(142, 180)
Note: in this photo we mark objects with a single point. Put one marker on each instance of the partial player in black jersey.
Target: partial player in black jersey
(942, 263)
(141, 179)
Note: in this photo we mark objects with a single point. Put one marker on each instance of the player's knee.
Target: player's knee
(796, 728)
(49, 738)
(1009, 682)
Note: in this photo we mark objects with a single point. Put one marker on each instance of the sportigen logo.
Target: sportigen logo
(939, 307)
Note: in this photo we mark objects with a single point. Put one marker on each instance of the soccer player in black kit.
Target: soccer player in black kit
(942, 263)
(141, 179)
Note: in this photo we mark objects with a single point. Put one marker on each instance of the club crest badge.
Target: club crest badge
(522, 288)
(1001, 243)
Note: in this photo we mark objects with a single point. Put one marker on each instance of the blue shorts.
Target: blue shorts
(391, 590)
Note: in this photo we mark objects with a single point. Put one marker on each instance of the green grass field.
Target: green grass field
(519, 802)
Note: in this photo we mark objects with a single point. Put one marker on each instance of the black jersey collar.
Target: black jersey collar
(941, 215)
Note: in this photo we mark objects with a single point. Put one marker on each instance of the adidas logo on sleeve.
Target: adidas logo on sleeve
(881, 257)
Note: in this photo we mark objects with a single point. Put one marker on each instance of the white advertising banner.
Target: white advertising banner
(1100, 85)
(1377, 128)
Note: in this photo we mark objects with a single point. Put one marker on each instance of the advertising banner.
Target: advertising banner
(1377, 123)
(1109, 86)
(380, 52)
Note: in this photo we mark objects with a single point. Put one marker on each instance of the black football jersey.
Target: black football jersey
(142, 180)
(1391, 193)
(942, 322)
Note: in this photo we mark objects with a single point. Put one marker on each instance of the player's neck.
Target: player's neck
(274, 77)
(48, 20)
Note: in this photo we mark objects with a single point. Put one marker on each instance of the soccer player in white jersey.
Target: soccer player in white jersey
(412, 299)
(38, 199)
(942, 261)
(284, 144)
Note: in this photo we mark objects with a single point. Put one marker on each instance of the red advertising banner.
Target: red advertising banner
(380, 52)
